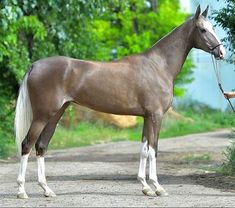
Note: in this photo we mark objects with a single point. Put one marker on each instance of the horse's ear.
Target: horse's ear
(205, 13)
(198, 12)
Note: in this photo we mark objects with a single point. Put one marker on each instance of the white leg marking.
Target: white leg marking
(142, 170)
(153, 173)
(42, 178)
(21, 177)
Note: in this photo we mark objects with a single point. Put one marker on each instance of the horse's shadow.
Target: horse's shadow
(210, 180)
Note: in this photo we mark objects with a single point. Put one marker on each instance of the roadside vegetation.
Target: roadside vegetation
(228, 167)
(225, 18)
(86, 133)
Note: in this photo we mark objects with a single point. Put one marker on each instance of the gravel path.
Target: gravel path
(105, 175)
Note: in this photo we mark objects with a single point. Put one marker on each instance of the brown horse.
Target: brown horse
(139, 85)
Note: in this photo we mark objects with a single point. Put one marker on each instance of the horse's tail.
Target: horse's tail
(23, 115)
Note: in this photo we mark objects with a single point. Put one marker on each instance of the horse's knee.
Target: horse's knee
(41, 148)
(144, 150)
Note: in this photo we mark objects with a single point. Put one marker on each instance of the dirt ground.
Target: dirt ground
(105, 175)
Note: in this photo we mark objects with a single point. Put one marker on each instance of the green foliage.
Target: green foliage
(129, 27)
(226, 19)
(31, 30)
(228, 167)
(86, 133)
(6, 118)
(94, 29)
(197, 158)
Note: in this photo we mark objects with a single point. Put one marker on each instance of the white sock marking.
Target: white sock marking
(142, 166)
(42, 177)
(22, 172)
(209, 26)
(153, 169)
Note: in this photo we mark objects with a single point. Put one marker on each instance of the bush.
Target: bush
(6, 126)
(228, 167)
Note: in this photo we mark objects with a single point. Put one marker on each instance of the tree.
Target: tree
(94, 29)
(34, 29)
(132, 26)
(225, 17)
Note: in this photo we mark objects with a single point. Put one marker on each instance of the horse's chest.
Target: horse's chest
(158, 95)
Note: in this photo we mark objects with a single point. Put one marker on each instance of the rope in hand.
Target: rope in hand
(216, 69)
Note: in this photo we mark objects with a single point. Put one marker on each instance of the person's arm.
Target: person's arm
(229, 95)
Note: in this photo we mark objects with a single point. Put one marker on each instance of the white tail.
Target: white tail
(23, 115)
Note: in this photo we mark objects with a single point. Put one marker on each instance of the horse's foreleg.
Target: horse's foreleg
(142, 170)
(153, 148)
(160, 191)
(143, 160)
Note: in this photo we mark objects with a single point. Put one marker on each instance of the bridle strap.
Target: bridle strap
(211, 49)
(216, 69)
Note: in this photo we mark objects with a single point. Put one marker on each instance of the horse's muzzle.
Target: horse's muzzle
(219, 52)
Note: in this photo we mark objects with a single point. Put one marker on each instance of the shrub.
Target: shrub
(228, 167)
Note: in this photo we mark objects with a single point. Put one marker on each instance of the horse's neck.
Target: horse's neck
(173, 49)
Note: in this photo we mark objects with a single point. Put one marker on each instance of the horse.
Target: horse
(140, 84)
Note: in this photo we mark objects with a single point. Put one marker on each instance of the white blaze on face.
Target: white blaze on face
(207, 25)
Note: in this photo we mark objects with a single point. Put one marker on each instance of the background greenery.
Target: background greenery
(94, 29)
(226, 19)
(202, 119)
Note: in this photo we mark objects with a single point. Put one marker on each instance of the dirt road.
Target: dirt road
(105, 175)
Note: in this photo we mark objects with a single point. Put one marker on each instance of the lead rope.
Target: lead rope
(216, 69)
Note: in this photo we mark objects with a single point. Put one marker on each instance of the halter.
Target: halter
(216, 69)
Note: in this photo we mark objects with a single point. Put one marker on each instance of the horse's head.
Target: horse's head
(204, 35)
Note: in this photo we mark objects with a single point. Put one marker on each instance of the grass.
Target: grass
(86, 133)
(196, 158)
(228, 167)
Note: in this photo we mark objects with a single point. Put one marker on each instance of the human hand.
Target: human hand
(229, 95)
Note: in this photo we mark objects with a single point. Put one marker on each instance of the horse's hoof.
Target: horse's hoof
(22, 195)
(148, 192)
(49, 194)
(161, 192)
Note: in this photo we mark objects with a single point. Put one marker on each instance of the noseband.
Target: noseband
(211, 49)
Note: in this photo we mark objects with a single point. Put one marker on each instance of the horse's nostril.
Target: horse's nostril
(221, 53)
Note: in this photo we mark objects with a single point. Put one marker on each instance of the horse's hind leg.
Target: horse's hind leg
(41, 147)
(32, 135)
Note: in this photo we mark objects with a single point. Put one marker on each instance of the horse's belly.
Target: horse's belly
(110, 100)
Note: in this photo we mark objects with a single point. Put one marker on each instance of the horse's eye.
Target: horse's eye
(203, 30)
